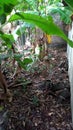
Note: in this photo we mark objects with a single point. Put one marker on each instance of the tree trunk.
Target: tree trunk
(3, 82)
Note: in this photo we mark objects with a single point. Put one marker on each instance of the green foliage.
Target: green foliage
(1, 108)
(27, 61)
(35, 100)
(13, 2)
(70, 3)
(6, 7)
(39, 16)
(3, 57)
(32, 4)
(23, 63)
(7, 38)
(23, 28)
(2, 18)
(45, 23)
(17, 56)
(64, 13)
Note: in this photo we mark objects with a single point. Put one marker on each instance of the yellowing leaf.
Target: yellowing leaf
(48, 38)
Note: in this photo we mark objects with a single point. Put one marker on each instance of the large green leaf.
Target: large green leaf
(13, 2)
(45, 23)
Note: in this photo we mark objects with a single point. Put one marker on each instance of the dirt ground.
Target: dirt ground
(41, 97)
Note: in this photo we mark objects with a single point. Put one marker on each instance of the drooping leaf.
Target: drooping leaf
(46, 24)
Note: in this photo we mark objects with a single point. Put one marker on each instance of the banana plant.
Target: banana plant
(45, 23)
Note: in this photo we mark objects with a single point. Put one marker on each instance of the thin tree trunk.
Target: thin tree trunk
(3, 82)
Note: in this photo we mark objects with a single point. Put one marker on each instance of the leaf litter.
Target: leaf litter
(41, 99)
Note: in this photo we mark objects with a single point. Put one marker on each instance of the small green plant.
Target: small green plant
(35, 101)
(1, 108)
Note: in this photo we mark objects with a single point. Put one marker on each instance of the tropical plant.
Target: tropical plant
(41, 17)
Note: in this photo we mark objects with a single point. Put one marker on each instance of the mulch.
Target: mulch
(41, 97)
